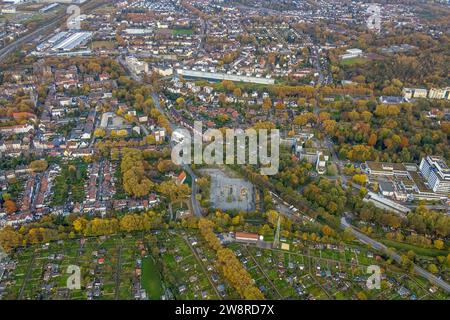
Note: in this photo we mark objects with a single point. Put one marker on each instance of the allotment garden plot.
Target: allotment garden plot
(110, 269)
(327, 272)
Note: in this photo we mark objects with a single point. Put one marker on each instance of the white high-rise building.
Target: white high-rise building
(437, 173)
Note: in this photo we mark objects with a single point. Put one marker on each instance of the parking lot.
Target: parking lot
(232, 194)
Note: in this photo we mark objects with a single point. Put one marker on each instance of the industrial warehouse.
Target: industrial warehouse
(64, 41)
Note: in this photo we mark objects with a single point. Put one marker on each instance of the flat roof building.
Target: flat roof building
(436, 173)
(386, 204)
(386, 188)
(74, 40)
(224, 76)
(410, 181)
(385, 168)
(351, 53)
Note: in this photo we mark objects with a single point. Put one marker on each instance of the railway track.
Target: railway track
(51, 24)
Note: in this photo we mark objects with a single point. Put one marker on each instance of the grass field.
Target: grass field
(150, 279)
(180, 31)
(353, 61)
(103, 45)
(430, 252)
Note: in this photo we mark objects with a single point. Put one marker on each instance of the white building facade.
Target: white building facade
(437, 173)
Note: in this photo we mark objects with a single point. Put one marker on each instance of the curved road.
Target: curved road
(381, 247)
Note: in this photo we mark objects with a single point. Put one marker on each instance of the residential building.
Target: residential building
(439, 93)
(137, 66)
(420, 93)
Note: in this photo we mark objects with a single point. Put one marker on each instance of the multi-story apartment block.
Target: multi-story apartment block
(436, 173)
(439, 93)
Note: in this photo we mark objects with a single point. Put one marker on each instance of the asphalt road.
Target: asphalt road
(395, 256)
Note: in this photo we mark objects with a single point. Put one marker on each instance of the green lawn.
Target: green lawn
(150, 279)
(181, 31)
(353, 61)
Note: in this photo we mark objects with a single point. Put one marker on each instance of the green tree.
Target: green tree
(39, 165)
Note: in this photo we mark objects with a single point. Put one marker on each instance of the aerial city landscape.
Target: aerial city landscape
(100, 99)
